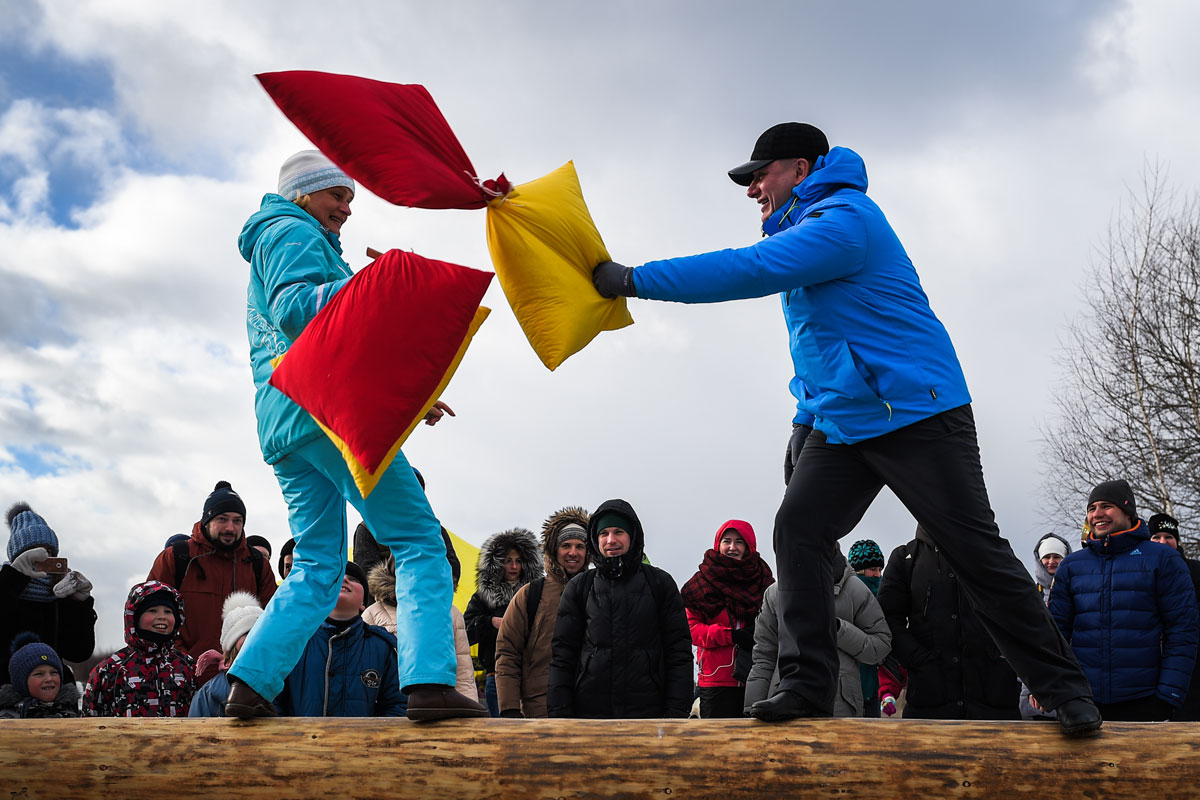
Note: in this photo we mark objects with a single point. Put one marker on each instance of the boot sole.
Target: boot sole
(1083, 731)
(245, 712)
(434, 714)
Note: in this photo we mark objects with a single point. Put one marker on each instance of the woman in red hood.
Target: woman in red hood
(722, 600)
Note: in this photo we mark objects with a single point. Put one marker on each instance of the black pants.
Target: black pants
(722, 702)
(933, 468)
(1144, 709)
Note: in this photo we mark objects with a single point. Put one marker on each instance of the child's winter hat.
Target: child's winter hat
(161, 597)
(355, 573)
(28, 530)
(238, 615)
(865, 554)
(29, 653)
(309, 171)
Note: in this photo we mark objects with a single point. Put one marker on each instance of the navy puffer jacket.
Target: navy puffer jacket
(1127, 606)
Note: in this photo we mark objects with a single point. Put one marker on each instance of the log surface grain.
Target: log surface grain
(528, 759)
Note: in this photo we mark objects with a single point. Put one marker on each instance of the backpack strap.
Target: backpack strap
(183, 557)
(534, 598)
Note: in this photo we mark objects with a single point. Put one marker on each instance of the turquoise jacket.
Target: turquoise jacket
(296, 267)
(869, 355)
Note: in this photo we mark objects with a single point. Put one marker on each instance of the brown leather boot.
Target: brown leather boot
(431, 701)
(245, 703)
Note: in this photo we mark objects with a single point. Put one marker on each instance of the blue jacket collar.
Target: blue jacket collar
(841, 168)
(1120, 542)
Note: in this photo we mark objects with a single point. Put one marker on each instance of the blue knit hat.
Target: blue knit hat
(29, 530)
(309, 171)
(29, 653)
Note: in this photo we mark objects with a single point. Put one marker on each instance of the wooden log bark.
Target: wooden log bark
(527, 759)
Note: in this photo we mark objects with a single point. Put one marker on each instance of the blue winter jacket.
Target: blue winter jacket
(869, 354)
(296, 266)
(1127, 606)
(347, 673)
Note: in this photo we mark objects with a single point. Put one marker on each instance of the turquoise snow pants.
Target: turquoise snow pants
(317, 485)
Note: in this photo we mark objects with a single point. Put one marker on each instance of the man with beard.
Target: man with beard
(523, 642)
(214, 562)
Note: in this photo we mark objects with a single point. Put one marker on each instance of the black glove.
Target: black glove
(794, 446)
(613, 280)
(512, 713)
(744, 637)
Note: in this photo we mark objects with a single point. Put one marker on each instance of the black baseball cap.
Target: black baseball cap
(785, 140)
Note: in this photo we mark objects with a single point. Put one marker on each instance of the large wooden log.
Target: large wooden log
(675, 759)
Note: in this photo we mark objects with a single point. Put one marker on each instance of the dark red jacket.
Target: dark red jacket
(212, 575)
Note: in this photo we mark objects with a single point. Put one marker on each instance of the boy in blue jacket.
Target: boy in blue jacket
(880, 401)
(348, 668)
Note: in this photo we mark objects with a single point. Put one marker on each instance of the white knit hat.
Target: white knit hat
(309, 171)
(1052, 544)
(240, 612)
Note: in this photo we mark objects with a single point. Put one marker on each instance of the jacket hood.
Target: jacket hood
(274, 209)
(68, 696)
(840, 168)
(624, 565)
(1040, 574)
(842, 572)
(554, 524)
(136, 595)
(381, 580)
(742, 527)
(489, 575)
(1121, 541)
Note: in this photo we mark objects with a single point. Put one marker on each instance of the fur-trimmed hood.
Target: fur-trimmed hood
(489, 575)
(381, 580)
(554, 524)
(66, 704)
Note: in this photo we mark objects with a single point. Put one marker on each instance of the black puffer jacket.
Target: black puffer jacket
(621, 648)
(955, 670)
(493, 593)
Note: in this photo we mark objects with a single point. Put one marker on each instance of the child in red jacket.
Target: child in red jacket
(149, 677)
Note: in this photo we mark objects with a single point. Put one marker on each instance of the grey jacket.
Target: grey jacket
(863, 637)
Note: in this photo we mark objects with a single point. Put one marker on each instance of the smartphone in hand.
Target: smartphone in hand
(53, 566)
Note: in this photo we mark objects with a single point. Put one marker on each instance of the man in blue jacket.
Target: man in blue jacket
(880, 400)
(1129, 610)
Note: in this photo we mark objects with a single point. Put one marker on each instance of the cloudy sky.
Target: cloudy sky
(1000, 139)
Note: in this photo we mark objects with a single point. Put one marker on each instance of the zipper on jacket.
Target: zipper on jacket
(328, 660)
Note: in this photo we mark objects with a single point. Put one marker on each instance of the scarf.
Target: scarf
(39, 590)
(728, 583)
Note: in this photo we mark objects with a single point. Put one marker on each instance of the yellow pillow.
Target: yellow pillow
(544, 246)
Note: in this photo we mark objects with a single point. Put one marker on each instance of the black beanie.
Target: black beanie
(160, 598)
(1119, 494)
(287, 550)
(1164, 523)
(222, 500)
(258, 541)
(355, 573)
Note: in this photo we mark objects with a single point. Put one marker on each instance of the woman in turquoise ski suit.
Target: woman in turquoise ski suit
(296, 267)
